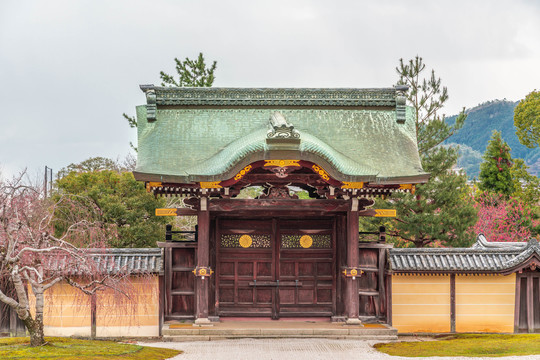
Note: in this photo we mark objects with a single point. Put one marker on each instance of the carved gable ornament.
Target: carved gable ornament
(280, 128)
(281, 134)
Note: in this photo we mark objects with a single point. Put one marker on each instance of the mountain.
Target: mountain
(475, 134)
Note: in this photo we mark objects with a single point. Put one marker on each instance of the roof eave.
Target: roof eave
(194, 179)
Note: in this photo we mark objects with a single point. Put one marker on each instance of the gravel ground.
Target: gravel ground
(297, 349)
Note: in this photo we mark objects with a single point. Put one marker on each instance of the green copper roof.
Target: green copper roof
(209, 134)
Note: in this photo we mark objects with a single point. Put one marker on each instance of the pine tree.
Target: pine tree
(191, 73)
(441, 211)
(495, 171)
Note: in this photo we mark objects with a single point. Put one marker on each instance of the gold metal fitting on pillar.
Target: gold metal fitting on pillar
(202, 271)
(352, 272)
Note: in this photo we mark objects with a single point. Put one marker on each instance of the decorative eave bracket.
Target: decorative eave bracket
(401, 102)
(151, 103)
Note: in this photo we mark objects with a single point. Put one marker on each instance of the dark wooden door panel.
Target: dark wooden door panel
(307, 255)
(372, 284)
(237, 269)
(245, 254)
(179, 282)
(536, 303)
(523, 311)
(529, 302)
(276, 268)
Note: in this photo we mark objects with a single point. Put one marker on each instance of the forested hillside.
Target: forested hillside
(475, 134)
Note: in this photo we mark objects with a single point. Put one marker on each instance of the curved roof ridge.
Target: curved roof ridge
(482, 243)
(532, 248)
(254, 147)
(435, 251)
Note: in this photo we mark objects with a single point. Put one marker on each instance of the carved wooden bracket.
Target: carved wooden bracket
(278, 192)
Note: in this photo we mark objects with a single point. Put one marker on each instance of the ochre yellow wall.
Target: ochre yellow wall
(67, 310)
(421, 303)
(66, 306)
(485, 303)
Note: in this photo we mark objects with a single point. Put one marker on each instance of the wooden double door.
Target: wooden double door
(276, 267)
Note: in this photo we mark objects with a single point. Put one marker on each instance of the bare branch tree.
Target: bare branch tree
(37, 252)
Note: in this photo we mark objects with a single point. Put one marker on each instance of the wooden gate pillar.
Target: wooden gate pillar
(353, 256)
(203, 271)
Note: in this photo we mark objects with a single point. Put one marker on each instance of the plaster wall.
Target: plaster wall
(485, 303)
(67, 311)
(421, 303)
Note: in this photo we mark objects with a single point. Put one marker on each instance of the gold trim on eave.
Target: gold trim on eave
(385, 213)
(281, 163)
(152, 184)
(321, 172)
(210, 185)
(242, 172)
(352, 185)
(166, 212)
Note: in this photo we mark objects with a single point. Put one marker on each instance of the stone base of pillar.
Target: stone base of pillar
(203, 321)
(353, 321)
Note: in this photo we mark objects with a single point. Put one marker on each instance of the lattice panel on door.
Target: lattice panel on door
(299, 241)
(259, 241)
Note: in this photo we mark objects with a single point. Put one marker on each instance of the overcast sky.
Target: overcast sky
(69, 69)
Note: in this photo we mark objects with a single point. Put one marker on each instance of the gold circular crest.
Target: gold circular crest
(202, 271)
(306, 241)
(354, 272)
(245, 241)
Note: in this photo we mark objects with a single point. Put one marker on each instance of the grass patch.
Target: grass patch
(73, 349)
(492, 345)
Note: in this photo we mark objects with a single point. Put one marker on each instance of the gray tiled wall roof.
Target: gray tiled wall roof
(112, 261)
(142, 260)
(481, 257)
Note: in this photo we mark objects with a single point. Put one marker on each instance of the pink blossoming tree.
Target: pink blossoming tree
(33, 254)
(503, 219)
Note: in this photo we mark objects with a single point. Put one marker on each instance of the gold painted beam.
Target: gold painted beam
(378, 213)
(385, 213)
(281, 163)
(176, 212)
(352, 185)
(210, 185)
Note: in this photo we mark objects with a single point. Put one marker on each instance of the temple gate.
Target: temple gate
(276, 255)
